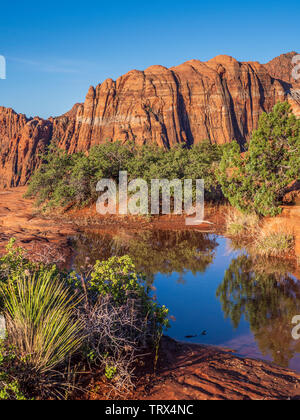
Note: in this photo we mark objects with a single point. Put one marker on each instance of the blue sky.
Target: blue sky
(55, 50)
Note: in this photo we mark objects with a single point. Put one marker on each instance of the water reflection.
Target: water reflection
(242, 303)
(268, 298)
(153, 252)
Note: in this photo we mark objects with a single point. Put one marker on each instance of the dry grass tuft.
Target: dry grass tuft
(274, 240)
(270, 239)
(240, 224)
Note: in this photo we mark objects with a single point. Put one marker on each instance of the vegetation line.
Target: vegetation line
(255, 181)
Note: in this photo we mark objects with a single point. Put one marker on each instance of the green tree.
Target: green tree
(65, 179)
(203, 162)
(257, 180)
(48, 182)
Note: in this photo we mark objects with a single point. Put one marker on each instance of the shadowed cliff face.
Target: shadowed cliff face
(219, 100)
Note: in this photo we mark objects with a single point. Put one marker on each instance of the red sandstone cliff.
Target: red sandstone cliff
(219, 100)
(21, 142)
(281, 68)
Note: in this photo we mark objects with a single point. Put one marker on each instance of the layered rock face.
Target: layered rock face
(282, 68)
(219, 100)
(21, 142)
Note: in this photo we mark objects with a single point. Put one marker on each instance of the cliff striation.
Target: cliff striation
(219, 100)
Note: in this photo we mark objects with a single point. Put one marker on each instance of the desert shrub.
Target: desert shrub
(203, 163)
(108, 159)
(9, 385)
(257, 180)
(145, 161)
(71, 178)
(65, 179)
(116, 336)
(117, 278)
(45, 187)
(121, 317)
(16, 263)
(10, 390)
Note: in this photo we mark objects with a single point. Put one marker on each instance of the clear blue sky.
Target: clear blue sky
(55, 50)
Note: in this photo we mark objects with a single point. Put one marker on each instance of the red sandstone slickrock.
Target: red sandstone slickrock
(219, 100)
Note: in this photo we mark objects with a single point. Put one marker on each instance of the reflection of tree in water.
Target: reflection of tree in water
(268, 298)
(152, 251)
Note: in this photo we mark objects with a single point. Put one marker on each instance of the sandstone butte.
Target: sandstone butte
(219, 100)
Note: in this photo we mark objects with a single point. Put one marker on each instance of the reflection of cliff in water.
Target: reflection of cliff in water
(152, 251)
(268, 297)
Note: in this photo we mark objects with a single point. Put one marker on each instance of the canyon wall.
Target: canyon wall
(219, 100)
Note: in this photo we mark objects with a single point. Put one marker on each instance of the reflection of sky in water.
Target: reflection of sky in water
(192, 298)
(194, 303)
(196, 309)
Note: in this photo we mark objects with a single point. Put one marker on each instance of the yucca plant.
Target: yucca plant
(40, 320)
